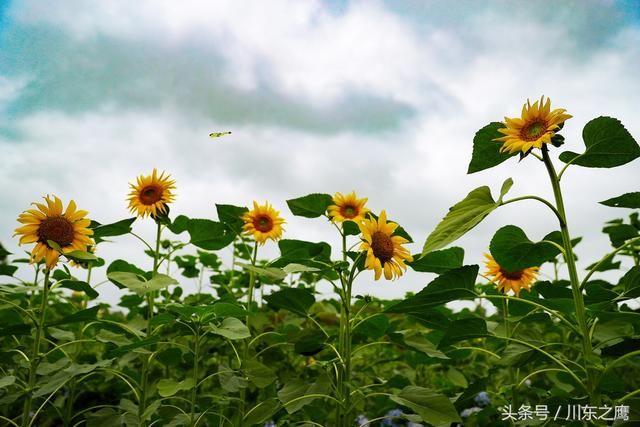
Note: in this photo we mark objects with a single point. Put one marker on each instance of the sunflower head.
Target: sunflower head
(347, 208)
(384, 251)
(68, 228)
(263, 222)
(510, 281)
(536, 126)
(151, 194)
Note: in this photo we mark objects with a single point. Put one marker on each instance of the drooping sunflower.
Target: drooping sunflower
(263, 222)
(347, 208)
(51, 222)
(510, 281)
(536, 126)
(384, 250)
(151, 194)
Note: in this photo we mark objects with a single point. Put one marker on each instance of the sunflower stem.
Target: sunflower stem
(343, 417)
(146, 362)
(35, 354)
(573, 276)
(245, 347)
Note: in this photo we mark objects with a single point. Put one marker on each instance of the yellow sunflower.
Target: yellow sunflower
(384, 251)
(536, 126)
(347, 208)
(68, 228)
(263, 222)
(151, 194)
(510, 281)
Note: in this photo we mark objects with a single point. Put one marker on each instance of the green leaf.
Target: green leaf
(513, 251)
(374, 326)
(262, 412)
(111, 230)
(79, 286)
(167, 387)
(486, 151)
(231, 216)
(452, 285)
(463, 216)
(627, 200)
(295, 390)
(463, 329)
(229, 380)
(438, 261)
(142, 287)
(205, 233)
(608, 144)
(310, 206)
(80, 256)
(433, 408)
(605, 266)
(258, 374)
(630, 282)
(417, 341)
(295, 300)
(80, 316)
(7, 381)
(620, 233)
(269, 272)
(457, 378)
(232, 329)
(7, 270)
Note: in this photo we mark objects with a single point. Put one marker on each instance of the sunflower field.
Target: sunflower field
(257, 345)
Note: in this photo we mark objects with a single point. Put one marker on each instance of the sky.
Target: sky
(380, 97)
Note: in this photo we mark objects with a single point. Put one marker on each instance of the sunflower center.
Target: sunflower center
(533, 130)
(150, 194)
(514, 275)
(263, 223)
(349, 211)
(382, 246)
(59, 229)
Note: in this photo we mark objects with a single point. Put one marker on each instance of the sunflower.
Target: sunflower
(263, 222)
(151, 194)
(510, 281)
(384, 251)
(68, 228)
(347, 208)
(536, 126)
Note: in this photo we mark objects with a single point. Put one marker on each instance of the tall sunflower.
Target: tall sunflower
(347, 208)
(510, 281)
(384, 250)
(151, 194)
(536, 126)
(263, 222)
(51, 222)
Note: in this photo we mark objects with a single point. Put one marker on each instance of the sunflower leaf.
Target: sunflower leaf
(627, 200)
(433, 408)
(310, 206)
(463, 216)
(438, 261)
(100, 231)
(486, 151)
(296, 300)
(608, 144)
(513, 251)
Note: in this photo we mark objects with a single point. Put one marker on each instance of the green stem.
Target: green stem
(196, 361)
(539, 199)
(245, 347)
(343, 413)
(35, 354)
(146, 361)
(573, 275)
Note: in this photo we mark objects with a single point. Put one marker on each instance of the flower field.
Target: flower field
(559, 350)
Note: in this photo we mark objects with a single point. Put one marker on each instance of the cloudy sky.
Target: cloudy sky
(381, 97)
